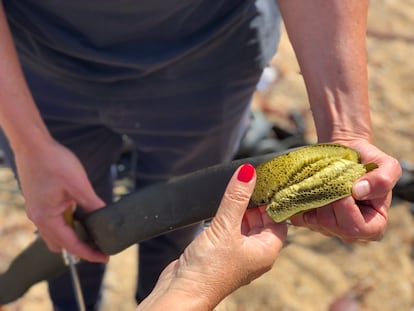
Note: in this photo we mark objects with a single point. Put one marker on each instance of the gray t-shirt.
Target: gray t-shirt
(97, 41)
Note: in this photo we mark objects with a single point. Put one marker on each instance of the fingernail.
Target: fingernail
(246, 173)
(362, 189)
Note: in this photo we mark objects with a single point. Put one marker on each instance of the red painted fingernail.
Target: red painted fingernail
(246, 173)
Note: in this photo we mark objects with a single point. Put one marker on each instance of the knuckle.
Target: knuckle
(355, 234)
(384, 181)
(352, 232)
(35, 217)
(237, 196)
(349, 233)
(327, 222)
(395, 164)
(389, 178)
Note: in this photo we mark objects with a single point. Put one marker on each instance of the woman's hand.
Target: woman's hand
(362, 216)
(330, 45)
(239, 246)
(52, 179)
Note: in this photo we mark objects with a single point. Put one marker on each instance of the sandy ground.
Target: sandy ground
(312, 271)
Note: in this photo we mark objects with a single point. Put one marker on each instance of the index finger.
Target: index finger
(378, 182)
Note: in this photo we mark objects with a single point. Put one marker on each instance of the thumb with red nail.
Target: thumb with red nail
(238, 247)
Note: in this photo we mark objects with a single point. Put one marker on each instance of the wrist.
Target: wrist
(175, 300)
(343, 132)
(188, 292)
(25, 140)
(338, 119)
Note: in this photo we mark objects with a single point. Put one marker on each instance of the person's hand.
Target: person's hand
(52, 179)
(239, 246)
(362, 216)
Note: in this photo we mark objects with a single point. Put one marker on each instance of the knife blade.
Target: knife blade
(71, 260)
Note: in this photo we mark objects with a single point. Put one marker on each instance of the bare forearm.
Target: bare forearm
(329, 41)
(19, 117)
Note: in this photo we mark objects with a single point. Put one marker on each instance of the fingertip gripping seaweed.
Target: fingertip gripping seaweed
(307, 178)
